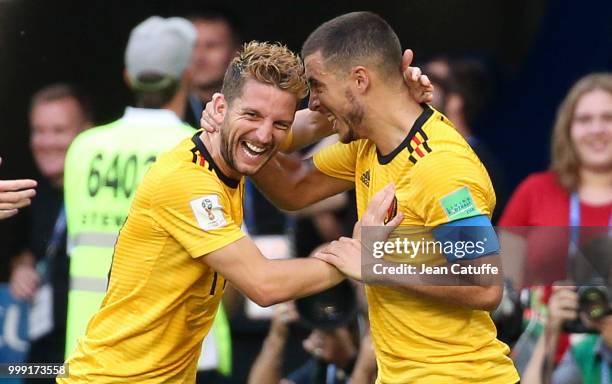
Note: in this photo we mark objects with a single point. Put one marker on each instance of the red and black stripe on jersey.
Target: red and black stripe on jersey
(418, 147)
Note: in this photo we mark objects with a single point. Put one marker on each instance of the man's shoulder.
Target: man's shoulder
(94, 136)
(181, 169)
(356, 146)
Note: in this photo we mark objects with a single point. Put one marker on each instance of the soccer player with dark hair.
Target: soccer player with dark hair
(422, 333)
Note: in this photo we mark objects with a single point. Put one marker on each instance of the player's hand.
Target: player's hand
(208, 122)
(15, 194)
(345, 253)
(419, 84)
(379, 210)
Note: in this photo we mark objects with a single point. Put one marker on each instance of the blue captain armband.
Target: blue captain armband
(467, 239)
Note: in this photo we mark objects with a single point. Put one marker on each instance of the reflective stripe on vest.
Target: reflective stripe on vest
(92, 239)
(103, 168)
(89, 284)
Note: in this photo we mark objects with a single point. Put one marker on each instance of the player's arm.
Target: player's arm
(195, 210)
(443, 182)
(346, 255)
(308, 127)
(470, 296)
(292, 183)
(458, 204)
(268, 282)
(472, 291)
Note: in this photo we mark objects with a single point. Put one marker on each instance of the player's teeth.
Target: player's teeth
(254, 148)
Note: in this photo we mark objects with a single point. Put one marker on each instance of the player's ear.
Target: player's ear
(219, 106)
(361, 78)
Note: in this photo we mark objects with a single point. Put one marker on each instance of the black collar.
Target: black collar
(417, 126)
(232, 183)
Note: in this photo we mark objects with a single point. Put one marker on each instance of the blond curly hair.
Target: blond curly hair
(269, 63)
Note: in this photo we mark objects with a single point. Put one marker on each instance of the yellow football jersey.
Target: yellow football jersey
(438, 179)
(162, 298)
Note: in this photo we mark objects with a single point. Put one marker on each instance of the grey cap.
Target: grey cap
(160, 46)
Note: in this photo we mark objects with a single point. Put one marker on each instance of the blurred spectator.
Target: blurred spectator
(40, 273)
(462, 90)
(218, 40)
(438, 70)
(576, 192)
(15, 194)
(587, 362)
(105, 164)
(333, 344)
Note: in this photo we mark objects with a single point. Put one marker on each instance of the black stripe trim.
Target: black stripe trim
(214, 285)
(424, 135)
(412, 159)
(426, 146)
(194, 158)
(232, 183)
(416, 127)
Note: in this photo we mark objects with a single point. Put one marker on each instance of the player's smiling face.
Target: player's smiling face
(255, 125)
(591, 129)
(331, 96)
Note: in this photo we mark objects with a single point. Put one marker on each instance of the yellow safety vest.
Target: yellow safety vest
(103, 168)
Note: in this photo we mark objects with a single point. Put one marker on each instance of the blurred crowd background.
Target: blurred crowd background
(500, 68)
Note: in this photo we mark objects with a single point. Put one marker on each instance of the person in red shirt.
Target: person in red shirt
(575, 192)
(581, 171)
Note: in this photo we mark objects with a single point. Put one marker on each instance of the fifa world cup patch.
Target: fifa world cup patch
(459, 204)
(208, 212)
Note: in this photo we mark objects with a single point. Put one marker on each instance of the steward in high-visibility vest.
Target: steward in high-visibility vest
(104, 166)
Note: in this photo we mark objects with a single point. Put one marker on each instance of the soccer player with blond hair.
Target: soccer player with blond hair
(182, 241)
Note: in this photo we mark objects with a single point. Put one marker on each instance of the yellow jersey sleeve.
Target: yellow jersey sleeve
(194, 209)
(338, 160)
(449, 186)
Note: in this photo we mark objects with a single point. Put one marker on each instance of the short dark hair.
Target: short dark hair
(223, 16)
(154, 91)
(347, 40)
(60, 91)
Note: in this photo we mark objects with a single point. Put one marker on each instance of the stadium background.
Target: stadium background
(535, 48)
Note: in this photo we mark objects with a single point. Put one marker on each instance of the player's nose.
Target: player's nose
(264, 132)
(313, 102)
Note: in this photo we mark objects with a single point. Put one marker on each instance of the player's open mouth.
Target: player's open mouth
(251, 149)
